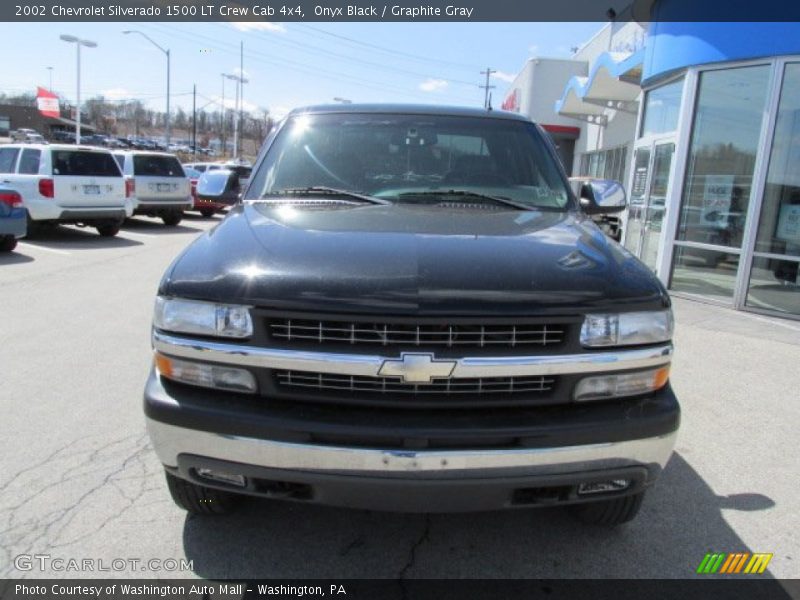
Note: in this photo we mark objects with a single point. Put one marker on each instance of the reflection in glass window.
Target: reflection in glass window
(722, 155)
(779, 225)
(661, 109)
(775, 282)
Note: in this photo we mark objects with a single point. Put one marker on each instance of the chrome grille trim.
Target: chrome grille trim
(368, 365)
(391, 385)
(396, 334)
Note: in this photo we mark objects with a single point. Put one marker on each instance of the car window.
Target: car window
(120, 158)
(8, 157)
(157, 166)
(81, 162)
(29, 163)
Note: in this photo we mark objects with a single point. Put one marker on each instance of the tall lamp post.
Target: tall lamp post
(50, 71)
(166, 52)
(78, 43)
(240, 81)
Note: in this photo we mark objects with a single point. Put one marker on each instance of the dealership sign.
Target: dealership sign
(47, 103)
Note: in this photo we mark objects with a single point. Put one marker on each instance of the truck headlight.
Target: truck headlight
(621, 385)
(211, 376)
(202, 318)
(627, 329)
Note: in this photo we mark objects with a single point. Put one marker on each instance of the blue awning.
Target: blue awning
(612, 83)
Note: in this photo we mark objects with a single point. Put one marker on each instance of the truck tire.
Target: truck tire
(207, 212)
(609, 512)
(7, 243)
(108, 229)
(198, 499)
(172, 217)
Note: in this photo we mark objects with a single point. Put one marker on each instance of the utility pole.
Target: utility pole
(488, 72)
(194, 122)
(241, 97)
(222, 117)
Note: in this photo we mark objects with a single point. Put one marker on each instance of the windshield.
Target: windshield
(413, 158)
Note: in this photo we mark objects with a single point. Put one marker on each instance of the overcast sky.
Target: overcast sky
(288, 65)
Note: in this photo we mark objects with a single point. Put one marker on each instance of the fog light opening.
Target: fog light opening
(222, 477)
(603, 487)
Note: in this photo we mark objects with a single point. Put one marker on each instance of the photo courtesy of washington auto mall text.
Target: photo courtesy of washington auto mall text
(399, 300)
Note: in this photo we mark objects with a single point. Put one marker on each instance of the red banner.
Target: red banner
(47, 103)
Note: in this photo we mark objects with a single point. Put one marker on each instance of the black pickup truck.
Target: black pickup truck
(410, 309)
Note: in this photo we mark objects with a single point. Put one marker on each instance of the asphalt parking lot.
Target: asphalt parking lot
(79, 480)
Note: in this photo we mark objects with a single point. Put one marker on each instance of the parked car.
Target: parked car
(159, 185)
(67, 184)
(12, 219)
(27, 136)
(63, 137)
(207, 208)
(411, 310)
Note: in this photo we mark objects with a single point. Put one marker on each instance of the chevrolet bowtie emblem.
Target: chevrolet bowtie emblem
(417, 368)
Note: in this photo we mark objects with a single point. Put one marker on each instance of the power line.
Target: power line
(303, 47)
(299, 66)
(426, 59)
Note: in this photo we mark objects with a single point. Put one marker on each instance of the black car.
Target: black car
(411, 310)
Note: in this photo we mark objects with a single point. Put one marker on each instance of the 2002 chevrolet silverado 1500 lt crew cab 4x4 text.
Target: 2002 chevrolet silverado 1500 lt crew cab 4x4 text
(411, 310)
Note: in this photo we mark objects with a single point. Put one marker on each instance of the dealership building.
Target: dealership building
(701, 122)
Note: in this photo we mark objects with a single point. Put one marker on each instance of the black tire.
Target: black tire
(7, 243)
(208, 212)
(108, 229)
(172, 217)
(609, 512)
(198, 499)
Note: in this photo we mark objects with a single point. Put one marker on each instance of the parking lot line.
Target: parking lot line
(45, 248)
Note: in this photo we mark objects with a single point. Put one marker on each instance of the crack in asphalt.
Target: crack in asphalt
(412, 556)
(120, 467)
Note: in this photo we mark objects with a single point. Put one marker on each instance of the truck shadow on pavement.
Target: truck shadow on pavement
(73, 238)
(14, 258)
(681, 519)
(152, 226)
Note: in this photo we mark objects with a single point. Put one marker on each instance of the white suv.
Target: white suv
(67, 184)
(160, 185)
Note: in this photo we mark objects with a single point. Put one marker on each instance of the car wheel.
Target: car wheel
(198, 499)
(7, 243)
(172, 217)
(207, 212)
(108, 229)
(609, 512)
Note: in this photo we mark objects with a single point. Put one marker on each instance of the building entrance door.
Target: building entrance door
(649, 191)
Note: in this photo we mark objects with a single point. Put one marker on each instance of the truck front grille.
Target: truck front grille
(391, 385)
(415, 335)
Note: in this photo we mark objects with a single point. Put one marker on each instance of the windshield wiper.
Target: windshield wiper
(474, 195)
(319, 190)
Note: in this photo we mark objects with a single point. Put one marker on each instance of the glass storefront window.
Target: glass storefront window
(775, 282)
(779, 225)
(661, 109)
(704, 272)
(722, 153)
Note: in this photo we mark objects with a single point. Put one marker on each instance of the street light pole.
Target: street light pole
(50, 71)
(240, 81)
(167, 53)
(89, 44)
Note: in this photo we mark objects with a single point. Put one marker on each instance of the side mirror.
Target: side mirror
(600, 196)
(220, 185)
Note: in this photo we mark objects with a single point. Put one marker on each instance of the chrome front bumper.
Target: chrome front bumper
(170, 442)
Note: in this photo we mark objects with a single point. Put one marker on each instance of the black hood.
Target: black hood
(403, 259)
